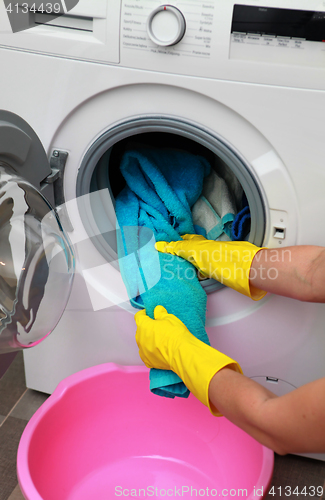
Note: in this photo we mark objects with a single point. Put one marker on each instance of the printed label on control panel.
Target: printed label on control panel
(276, 49)
(264, 40)
(199, 18)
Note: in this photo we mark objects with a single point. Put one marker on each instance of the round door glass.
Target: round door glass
(36, 265)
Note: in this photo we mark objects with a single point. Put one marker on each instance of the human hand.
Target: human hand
(158, 339)
(166, 343)
(226, 261)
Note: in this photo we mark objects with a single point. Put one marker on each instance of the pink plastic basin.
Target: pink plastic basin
(103, 435)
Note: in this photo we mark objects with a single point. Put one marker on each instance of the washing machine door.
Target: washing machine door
(36, 258)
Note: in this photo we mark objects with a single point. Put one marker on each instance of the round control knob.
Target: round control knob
(166, 25)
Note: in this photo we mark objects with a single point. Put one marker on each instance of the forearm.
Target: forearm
(294, 423)
(240, 399)
(297, 272)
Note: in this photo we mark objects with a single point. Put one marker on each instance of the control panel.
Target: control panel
(259, 43)
(184, 29)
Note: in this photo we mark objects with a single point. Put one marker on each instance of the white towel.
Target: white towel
(215, 210)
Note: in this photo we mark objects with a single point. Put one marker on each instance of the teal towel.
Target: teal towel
(161, 187)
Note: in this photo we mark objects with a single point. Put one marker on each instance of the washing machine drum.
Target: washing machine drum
(36, 264)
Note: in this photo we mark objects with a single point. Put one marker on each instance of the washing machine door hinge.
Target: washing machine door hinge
(57, 164)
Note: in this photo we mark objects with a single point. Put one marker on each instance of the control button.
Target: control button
(166, 25)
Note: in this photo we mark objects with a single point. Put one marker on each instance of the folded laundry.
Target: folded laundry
(161, 187)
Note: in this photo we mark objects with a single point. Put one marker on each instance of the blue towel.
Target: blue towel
(241, 224)
(161, 187)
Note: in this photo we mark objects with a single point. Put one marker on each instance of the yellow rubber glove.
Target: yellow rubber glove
(226, 261)
(166, 343)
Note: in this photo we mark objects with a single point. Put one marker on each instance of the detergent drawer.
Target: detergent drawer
(89, 31)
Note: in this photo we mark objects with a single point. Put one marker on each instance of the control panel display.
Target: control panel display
(279, 36)
(304, 24)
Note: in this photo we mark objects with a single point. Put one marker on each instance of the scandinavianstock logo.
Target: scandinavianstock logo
(24, 15)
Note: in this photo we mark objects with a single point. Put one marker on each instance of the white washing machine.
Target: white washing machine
(244, 83)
